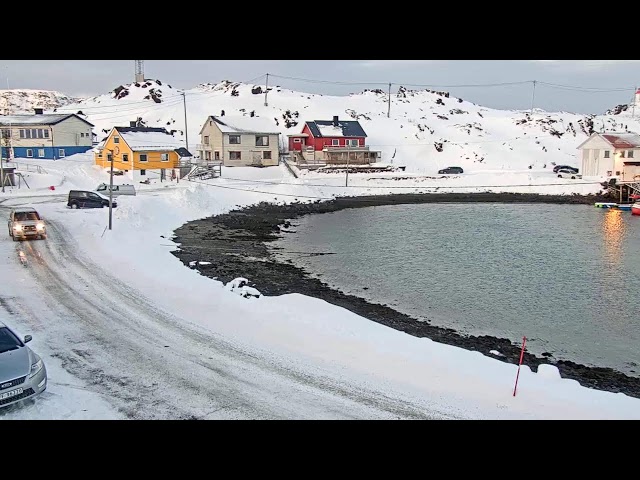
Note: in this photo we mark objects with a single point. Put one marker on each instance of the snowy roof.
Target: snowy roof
(622, 140)
(147, 138)
(38, 119)
(241, 124)
(343, 128)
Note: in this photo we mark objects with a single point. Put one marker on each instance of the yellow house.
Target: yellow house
(142, 153)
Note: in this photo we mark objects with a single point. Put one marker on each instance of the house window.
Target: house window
(81, 135)
(262, 141)
(208, 155)
(206, 140)
(164, 157)
(41, 152)
(235, 156)
(630, 154)
(116, 139)
(143, 172)
(234, 139)
(296, 140)
(109, 157)
(125, 157)
(622, 154)
(606, 154)
(6, 133)
(266, 155)
(27, 133)
(143, 157)
(22, 133)
(46, 133)
(34, 133)
(40, 133)
(352, 142)
(216, 155)
(335, 142)
(29, 153)
(61, 153)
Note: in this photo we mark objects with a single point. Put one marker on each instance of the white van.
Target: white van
(117, 189)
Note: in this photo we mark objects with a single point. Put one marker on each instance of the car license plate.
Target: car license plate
(10, 394)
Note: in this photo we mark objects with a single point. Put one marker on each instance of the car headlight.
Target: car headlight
(40, 226)
(17, 227)
(35, 368)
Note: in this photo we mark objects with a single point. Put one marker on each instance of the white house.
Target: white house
(239, 141)
(611, 154)
(44, 135)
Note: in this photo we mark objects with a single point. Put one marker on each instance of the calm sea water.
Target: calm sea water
(565, 276)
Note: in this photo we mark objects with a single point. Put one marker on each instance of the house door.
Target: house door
(256, 158)
(595, 163)
(216, 156)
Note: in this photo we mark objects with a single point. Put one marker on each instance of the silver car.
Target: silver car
(22, 371)
(568, 173)
(26, 222)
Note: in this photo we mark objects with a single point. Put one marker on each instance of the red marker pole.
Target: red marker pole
(524, 342)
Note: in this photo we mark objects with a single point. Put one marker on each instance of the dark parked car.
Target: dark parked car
(558, 167)
(448, 170)
(88, 199)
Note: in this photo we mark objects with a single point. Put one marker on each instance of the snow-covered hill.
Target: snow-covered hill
(25, 100)
(425, 130)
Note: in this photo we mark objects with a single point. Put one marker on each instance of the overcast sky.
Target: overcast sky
(582, 86)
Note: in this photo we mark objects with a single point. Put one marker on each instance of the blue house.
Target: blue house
(44, 135)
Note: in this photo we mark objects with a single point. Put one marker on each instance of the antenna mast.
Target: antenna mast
(139, 71)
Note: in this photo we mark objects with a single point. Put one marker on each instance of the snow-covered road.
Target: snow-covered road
(147, 363)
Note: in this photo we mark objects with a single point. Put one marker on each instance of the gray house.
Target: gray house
(239, 141)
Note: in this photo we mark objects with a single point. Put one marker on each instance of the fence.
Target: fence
(26, 167)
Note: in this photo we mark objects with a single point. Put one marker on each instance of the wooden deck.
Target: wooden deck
(622, 191)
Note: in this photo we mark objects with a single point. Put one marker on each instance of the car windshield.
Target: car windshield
(24, 216)
(8, 341)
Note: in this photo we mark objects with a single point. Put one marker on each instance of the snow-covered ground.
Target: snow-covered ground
(126, 330)
(425, 130)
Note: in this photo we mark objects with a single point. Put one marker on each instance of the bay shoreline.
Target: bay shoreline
(235, 244)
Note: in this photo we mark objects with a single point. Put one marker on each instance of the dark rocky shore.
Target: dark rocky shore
(235, 244)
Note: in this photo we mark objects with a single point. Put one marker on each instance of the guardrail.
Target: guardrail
(29, 167)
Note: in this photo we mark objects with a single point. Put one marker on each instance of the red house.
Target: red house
(330, 142)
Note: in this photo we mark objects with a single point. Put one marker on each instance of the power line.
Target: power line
(328, 81)
(504, 84)
(585, 89)
(260, 191)
(266, 182)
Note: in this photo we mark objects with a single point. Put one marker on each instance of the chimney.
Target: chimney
(132, 123)
(38, 111)
(335, 120)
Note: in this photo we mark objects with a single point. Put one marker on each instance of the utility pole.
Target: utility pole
(346, 178)
(111, 191)
(7, 142)
(633, 102)
(186, 132)
(266, 90)
(389, 107)
(533, 98)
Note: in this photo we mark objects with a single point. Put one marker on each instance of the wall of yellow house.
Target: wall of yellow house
(122, 160)
(154, 160)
